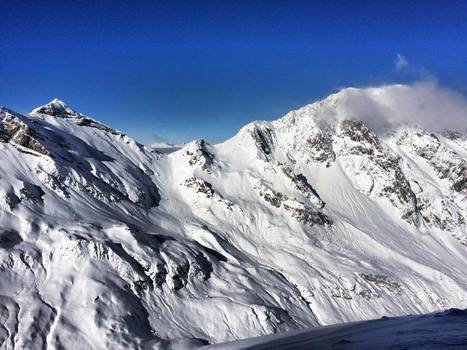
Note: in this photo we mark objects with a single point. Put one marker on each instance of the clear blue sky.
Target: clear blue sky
(191, 69)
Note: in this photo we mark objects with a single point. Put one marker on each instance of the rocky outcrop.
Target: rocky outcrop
(320, 148)
(298, 210)
(14, 130)
(438, 210)
(57, 108)
(305, 214)
(374, 168)
(364, 141)
(200, 186)
(263, 138)
(199, 155)
(301, 184)
(444, 161)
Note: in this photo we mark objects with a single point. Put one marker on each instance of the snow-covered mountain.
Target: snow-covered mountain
(324, 216)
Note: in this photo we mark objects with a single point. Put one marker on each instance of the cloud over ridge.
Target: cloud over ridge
(423, 103)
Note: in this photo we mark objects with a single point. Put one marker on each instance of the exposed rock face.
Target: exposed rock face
(364, 285)
(320, 148)
(364, 141)
(12, 129)
(69, 168)
(57, 108)
(445, 162)
(302, 184)
(378, 165)
(383, 281)
(272, 197)
(313, 143)
(376, 168)
(263, 138)
(305, 214)
(449, 169)
(297, 209)
(199, 155)
(200, 186)
(460, 178)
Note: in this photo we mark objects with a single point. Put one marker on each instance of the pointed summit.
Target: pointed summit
(58, 102)
(56, 108)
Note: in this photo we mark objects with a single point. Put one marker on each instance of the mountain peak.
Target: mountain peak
(56, 108)
(58, 102)
(386, 108)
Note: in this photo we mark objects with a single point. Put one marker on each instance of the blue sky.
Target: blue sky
(203, 69)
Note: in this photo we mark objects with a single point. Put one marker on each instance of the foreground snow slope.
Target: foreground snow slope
(440, 330)
(317, 218)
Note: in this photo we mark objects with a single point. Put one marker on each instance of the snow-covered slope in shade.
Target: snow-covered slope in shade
(441, 330)
(317, 218)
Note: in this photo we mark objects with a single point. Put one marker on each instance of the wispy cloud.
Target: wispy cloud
(400, 62)
(409, 69)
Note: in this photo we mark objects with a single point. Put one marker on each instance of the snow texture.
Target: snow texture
(314, 219)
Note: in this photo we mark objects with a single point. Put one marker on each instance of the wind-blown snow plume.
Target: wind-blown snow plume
(425, 104)
(400, 62)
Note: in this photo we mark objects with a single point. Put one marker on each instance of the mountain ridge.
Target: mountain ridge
(313, 219)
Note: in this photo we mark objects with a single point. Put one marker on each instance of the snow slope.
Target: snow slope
(314, 219)
(440, 330)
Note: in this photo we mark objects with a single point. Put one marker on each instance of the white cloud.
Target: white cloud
(400, 62)
(423, 103)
